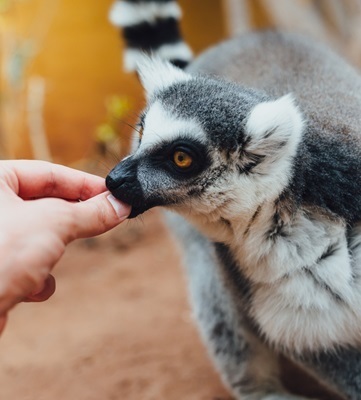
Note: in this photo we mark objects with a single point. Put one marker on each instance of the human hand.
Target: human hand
(43, 207)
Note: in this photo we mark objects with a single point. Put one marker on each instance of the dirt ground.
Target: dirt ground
(118, 327)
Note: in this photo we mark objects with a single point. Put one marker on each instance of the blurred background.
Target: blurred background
(119, 326)
(64, 96)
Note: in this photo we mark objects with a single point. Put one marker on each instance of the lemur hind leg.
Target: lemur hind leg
(248, 367)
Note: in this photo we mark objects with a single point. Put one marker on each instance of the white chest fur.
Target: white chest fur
(306, 281)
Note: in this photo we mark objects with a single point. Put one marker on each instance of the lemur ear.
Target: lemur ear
(274, 130)
(156, 74)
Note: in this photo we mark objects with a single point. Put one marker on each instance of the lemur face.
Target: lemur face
(206, 147)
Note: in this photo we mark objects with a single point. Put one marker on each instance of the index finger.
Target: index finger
(33, 179)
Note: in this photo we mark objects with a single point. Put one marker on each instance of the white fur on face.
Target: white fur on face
(124, 14)
(160, 125)
(275, 129)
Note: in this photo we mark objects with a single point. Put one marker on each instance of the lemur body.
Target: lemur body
(301, 245)
(273, 191)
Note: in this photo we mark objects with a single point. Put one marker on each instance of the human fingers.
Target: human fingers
(98, 215)
(34, 179)
(47, 291)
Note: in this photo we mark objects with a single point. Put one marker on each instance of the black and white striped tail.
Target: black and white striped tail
(150, 26)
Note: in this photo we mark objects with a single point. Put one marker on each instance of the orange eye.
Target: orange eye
(182, 159)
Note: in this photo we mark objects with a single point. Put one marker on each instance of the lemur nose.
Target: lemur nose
(114, 181)
(111, 182)
(122, 173)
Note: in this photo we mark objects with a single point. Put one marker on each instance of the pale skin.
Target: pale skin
(44, 207)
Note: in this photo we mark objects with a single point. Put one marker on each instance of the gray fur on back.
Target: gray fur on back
(327, 88)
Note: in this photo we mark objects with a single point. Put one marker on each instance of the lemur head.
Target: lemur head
(206, 147)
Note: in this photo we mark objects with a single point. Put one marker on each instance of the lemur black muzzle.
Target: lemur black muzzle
(122, 182)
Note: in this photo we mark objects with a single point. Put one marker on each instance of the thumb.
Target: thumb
(99, 214)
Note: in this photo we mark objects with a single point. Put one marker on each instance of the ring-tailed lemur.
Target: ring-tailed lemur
(258, 145)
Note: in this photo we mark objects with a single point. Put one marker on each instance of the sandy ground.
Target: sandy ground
(118, 327)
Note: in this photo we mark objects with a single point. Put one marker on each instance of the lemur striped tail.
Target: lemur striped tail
(150, 26)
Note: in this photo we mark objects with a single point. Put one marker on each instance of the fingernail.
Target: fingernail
(122, 210)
